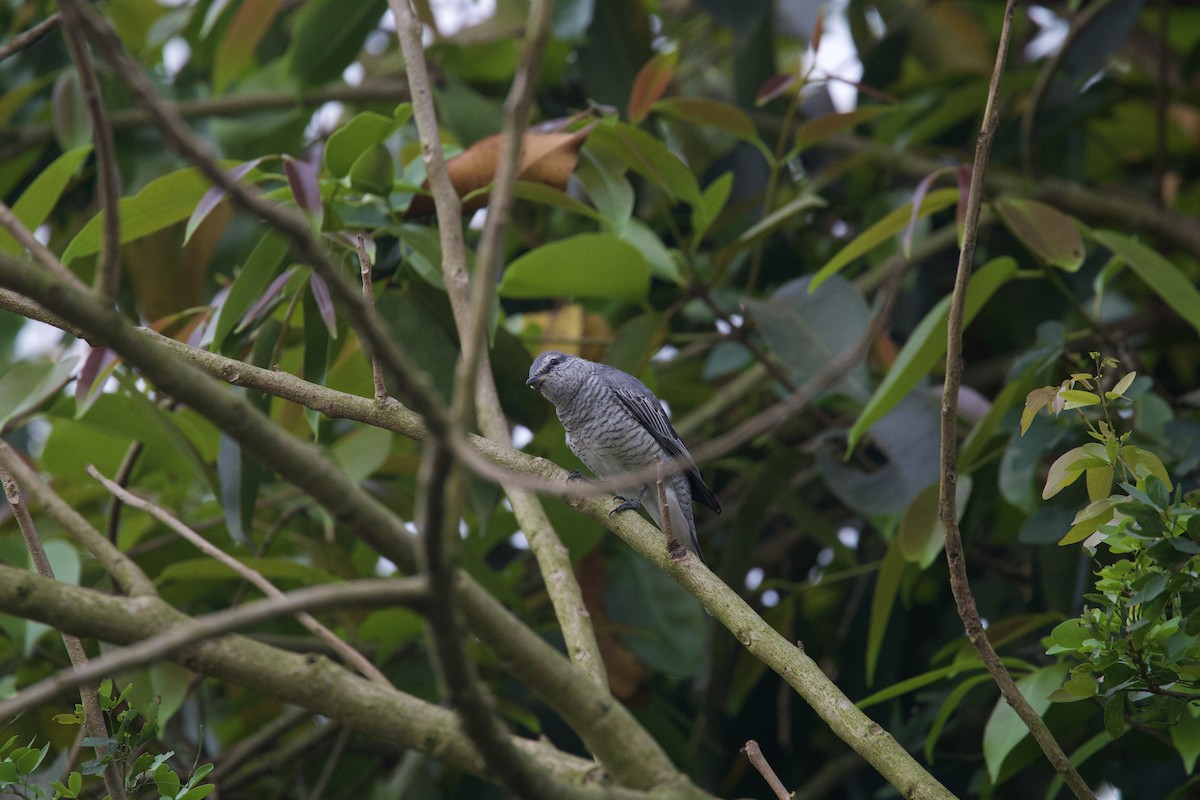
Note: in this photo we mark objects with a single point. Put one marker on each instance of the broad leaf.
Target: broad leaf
(587, 265)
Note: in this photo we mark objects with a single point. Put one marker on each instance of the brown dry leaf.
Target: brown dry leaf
(572, 330)
(626, 672)
(547, 158)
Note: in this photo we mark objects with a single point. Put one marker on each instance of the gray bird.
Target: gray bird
(615, 425)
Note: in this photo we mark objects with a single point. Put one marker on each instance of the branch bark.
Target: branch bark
(313, 682)
(947, 502)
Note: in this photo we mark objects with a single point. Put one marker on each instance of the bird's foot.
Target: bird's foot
(576, 475)
(632, 504)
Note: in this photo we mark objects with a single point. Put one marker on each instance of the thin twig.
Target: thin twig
(29, 37)
(255, 577)
(759, 762)
(93, 717)
(124, 472)
(108, 173)
(364, 263)
(947, 505)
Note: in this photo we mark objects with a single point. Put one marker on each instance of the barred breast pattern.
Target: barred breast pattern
(603, 434)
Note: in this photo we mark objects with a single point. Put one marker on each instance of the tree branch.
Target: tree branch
(307, 680)
(352, 656)
(947, 502)
(29, 37)
(474, 384)
(759, 762)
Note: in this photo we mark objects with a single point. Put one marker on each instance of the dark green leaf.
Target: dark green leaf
(587, 265)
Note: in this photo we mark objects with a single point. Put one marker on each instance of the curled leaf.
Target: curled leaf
(547, 158)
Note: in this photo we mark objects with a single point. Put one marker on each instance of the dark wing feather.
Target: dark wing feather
(645, 408)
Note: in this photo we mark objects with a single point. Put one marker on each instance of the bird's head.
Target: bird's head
(556, 375)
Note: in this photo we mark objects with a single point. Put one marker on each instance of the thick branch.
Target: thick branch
(310, 681)
(947, 503)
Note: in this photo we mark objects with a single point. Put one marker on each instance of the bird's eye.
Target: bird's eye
(553, 362)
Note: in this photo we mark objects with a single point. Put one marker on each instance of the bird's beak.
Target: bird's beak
(536, 381)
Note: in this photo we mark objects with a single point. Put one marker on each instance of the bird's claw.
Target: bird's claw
(628, 505)
(575, 475)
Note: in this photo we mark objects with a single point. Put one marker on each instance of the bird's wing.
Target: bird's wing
(646, 409)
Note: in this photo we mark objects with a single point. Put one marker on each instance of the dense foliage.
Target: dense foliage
(726, 235)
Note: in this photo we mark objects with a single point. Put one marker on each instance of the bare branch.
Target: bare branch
(759, 762)
(352, 656)
(93, 717)
(154, 629)
(29, 37)
(44, 258)
(947, 502)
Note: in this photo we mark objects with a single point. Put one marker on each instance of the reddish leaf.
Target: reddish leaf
(818, 29)
(99, 361)
(773, 87)
(321, 296)
(213, 197)
(917, 198)
(235, 53)
(305, 187)
(651, 81)
(821, 128)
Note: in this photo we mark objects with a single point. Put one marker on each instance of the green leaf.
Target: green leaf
(887, 585)
(235, 53)
(602, 174)
(362, 132)
(1151, 463)
(927, 345)
(27, 384)
(161, 203)
(1048, 233)
(252, 279)
(1004, 729)
(1035, 401)
(327, 36)
(709, 113)
(373, 172)
(949, 705)
(1122, 387)
(1065, 470)
(39, 199)
(712, 201)
(921, 536)
(199, 792)
(1185, 735)
(1164, 278)
(662, 623)
(649, 158)
(882, 231)
(549, 196)
(1077, 398)
(587, 265)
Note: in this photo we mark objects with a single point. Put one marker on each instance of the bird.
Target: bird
(617, 425)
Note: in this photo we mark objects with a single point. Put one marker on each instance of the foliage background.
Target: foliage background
(683, 252)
